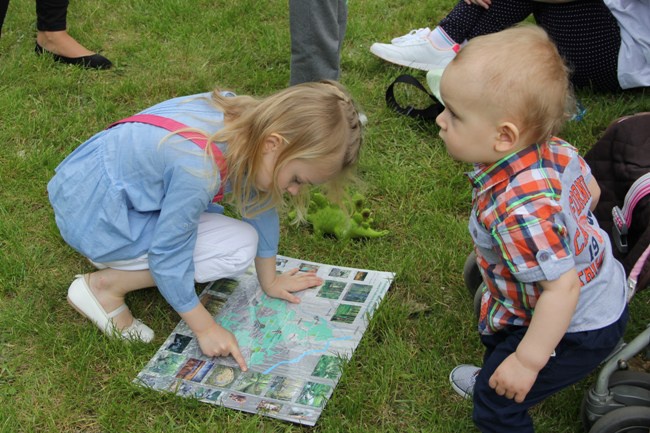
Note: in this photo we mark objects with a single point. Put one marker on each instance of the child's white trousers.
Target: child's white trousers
(225, 247)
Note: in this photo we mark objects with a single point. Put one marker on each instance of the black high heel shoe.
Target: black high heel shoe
(94, 61)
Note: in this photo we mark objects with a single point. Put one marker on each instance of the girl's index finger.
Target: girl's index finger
(236, 353)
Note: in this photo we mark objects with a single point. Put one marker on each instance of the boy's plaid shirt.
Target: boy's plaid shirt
(516, 209)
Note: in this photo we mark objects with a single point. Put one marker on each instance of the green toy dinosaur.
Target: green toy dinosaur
(328, 218)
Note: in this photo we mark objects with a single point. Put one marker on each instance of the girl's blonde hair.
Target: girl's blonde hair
(524, 76)
(318, 122)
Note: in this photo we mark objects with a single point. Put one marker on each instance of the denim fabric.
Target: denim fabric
(135, 189)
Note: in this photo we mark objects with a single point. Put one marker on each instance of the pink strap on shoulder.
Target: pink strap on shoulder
(182, 130)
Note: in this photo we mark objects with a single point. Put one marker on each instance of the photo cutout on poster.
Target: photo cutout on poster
(340, 273)
(328, 367)
(224, 286)
(179, 343)
(360, 275)
(331, 289)
(251, 382)
(211, 395)
(189, 369)
(301, 413)
(269, 407)
(346, 313)
(284, 388)
(205, 394)
(222, 376)
(237, 398)
(357, 293)
(308, 267)
(167, 364)
(147, 380)
(314, 394)
(212, 303)
(195, 369)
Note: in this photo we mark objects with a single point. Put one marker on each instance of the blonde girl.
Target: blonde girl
(139, 201)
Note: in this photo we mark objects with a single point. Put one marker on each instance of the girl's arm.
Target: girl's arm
(553, 313)
(283, 285)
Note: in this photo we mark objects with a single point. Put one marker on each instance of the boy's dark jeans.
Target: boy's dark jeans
(577, 355)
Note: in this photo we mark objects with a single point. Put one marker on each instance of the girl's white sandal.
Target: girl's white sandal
(81, 298)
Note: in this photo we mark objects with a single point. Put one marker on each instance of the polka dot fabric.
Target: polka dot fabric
(585, 32)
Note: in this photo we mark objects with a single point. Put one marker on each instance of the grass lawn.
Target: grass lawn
(60, 374)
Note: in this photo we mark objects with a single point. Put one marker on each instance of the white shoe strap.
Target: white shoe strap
(117, 311)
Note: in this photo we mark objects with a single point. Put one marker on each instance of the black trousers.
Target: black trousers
(50, 14)
(577, 355)
(585, 32)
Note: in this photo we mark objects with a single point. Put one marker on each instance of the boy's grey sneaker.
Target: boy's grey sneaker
(414, 50)
(463, 378)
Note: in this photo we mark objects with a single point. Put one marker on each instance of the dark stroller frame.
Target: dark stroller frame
(619, 401)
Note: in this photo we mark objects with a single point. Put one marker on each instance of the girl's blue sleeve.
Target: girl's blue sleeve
(267, 225)
(171, 256)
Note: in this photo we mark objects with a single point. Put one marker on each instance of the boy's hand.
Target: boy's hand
(512, 379)
(218, 341)
(285, 284)
(555, 306)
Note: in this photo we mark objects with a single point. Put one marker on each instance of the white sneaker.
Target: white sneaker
(414, 50)
(418, 33)
(463, 378)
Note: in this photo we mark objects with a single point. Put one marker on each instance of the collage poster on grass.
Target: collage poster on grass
(294, 352)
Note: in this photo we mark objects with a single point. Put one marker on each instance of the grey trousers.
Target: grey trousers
(317, 32)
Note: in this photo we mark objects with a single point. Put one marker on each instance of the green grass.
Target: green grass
(59, 374)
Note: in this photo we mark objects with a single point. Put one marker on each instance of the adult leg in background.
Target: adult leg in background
(53, 37)
(4, 5)
(465, 21)
(317, 33)
(588, 37)
(432, 50)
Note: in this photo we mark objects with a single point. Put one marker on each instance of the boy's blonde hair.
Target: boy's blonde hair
(522, 75)
(318, 123)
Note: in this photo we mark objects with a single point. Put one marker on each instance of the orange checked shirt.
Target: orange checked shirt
(530, 222)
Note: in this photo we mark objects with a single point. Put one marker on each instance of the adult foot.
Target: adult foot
(415, 50)
(65, 49)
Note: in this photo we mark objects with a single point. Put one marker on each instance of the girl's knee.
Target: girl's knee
(227, 259)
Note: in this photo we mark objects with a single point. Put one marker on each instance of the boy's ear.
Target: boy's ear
(507, 137)
(272, 143)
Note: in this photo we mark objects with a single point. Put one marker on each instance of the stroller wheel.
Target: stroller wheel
(626, 384)
(473, 282)
(471, 274)
(629, 377)
(630, 419)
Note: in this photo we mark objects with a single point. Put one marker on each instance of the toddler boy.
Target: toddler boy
(554, 303)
